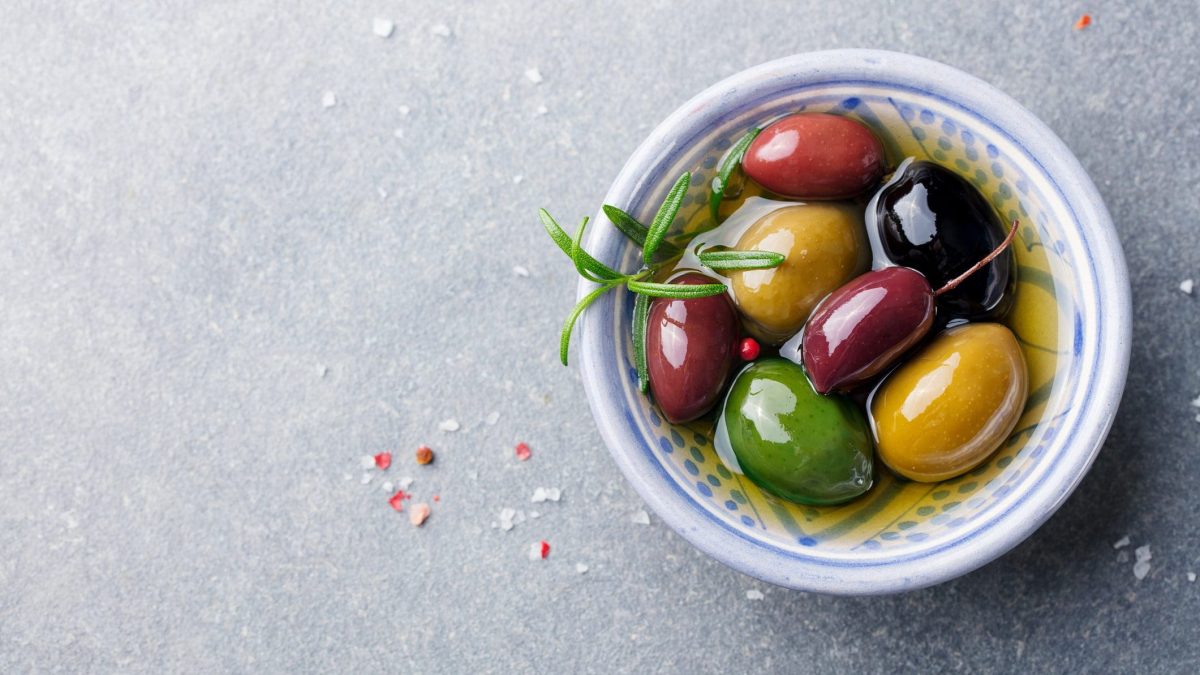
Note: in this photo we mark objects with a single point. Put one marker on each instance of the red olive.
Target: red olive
(691, 347)
(815, 156)
(863, 326)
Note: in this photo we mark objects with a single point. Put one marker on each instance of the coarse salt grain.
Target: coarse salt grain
(405, 482)
(1142, 553)
(522, 451)
(398, 133)
(440, 30)
(520, 271)
(367, 462)
(582, 569)
(383, 460)
(506, 518)
(541, 110)
(448, 425)
(1140, 569)
(492, 418)
(534, 514)
(383, 27)
(1186, 286)
(347, 476)
(1196, 402)
(328, 99)
(1122, 542)
(1191, 576)
(387, 486)
(418, 516)
(754, 594)
(517, 179)
(641, 518)
(404, 110)
(534, 75)
(366, 478)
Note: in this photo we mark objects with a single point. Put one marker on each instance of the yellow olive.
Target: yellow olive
(952, 404)
(825, 245)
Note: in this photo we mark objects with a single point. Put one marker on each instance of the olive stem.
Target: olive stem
(953, 283)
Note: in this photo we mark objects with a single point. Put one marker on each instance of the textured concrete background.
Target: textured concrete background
(216, 295)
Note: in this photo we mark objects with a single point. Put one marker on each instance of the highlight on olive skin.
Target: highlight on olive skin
(792, 311)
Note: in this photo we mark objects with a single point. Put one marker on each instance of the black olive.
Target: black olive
(934, 221)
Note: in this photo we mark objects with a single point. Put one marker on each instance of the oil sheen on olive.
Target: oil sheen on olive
(793, 442)
(931, 219)
(946, 409)
(815, 156)
(862, 327)
(691, 346)
(825, 246)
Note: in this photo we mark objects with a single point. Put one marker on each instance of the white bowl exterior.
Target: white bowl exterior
(1100, 296)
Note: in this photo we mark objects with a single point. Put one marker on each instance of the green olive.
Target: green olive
(825, 245)
(952, 404)
(792, 441)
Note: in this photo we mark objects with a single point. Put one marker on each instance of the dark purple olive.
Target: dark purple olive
(815, 156)
(863, 326)
(691, 347)
(934, 221)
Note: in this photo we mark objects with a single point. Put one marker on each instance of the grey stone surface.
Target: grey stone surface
(216, 295)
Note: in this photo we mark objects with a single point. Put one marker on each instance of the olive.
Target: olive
(791, 441)
(825, 246)
(931, 219)
(863, 326)
(952, 404)
(691, 346)
(815, 156)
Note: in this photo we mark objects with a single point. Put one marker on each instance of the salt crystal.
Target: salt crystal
(448, 425)
(520, 271)
(383, 193)
(418, 514)
(582, 569)
(517, 179)
(405, 482)
(387, 486)
(404, 110)
(1186, 286)
(641, 518)
(440, 30)
(541, 110)
(322, 370)
(367, 462)
(70, 519)
(492, 418)
(519, 517)
(1140, 569)
(328, 99)
(546, 494)
(553, 494)
(534, 514)
(1142, 553)
(1191, 576)
(533, 75)
(506, 518)
(383, 27)
(1196, 402)
(399, 133)
(1122, 542)
(366, 478)
(754, 594)
(347, 476)
(539, 496)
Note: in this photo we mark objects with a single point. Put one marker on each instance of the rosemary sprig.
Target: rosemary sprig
(723, 261)
(654, 245)
(732, 160)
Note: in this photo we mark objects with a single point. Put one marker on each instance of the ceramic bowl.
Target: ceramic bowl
(1072, 318)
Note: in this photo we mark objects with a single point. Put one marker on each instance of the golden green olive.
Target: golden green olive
(952, 404)
(825, 245)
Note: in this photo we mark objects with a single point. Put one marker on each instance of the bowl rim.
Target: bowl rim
(1006, 530)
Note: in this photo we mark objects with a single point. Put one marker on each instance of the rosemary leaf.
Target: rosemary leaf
(732, 160)
(564, 340)
(681, 291)
(563, 240)
(665, 216)
(641, 314)
(741, 260)
(636, 232)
